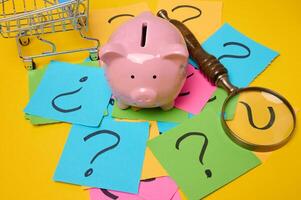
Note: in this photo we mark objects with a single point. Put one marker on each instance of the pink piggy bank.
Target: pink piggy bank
(145, 63)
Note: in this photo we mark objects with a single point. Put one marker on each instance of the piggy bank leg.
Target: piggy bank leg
(168, 106)
(122, 105)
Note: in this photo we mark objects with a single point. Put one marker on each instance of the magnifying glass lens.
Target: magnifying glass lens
(258, 117)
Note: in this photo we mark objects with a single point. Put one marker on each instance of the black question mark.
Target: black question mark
(83, 79)
(148, 180)
(113, 196)
(236, 56)
(188, 6)
(250, 117)
(212, 99)
(202, 153)
(90, 170)
(109, 194)
(186, 93)
(112, 101)
(117, 16)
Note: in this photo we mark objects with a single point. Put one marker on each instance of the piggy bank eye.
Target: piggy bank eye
(154, 76)
(132, 76)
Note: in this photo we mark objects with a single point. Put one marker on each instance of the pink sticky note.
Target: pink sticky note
(176, 196)
(195, 93)
(163, 188)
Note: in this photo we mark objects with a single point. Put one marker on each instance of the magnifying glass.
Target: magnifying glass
(256, 118)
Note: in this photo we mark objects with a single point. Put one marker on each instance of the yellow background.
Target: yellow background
(29, 154)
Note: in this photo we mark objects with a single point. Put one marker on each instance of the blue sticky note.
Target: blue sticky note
(71, 93)
(165, 126)
(244, 58)
(109, 157)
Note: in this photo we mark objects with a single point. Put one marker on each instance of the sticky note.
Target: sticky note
(108, 157)
(152, 189)
(195, 93)
(165, 126)
(71, 93)
(244, 58)
(202, 17)
(200, 157)
(103, 22)
(216, 101)
(155, 114)
(177, 196)
(151, 166)
(34, 79)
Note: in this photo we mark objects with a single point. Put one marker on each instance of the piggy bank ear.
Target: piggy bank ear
(176, 52)
(110, 52)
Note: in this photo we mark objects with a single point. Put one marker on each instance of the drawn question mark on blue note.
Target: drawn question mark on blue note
(250, 117)
(240, 45)
(92, 135)
(203, 150)
(64, 110)
(191, 7)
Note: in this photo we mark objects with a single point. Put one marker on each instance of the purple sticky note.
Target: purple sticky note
(157, 188)
(195, 93)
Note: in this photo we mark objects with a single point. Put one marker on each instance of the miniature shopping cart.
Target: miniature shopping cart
(24, 19)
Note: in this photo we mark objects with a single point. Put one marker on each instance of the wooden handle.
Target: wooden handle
(208, 64)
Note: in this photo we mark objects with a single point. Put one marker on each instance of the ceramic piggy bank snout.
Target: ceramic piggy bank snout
(145, 63)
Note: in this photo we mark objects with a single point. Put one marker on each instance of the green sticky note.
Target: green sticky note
(215, 103)
(199, 155)
(155, 114)
(91, 63)
(35, 77)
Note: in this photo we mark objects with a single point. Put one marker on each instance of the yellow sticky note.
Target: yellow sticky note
(103, 22)
(151, 166)
(202, 17)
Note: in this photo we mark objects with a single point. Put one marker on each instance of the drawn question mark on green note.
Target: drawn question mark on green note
(92, 135)
(202, 153)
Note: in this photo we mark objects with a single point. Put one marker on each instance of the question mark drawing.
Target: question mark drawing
(56, 107)
(113, 196)
(250, 117)
(188, 6)
(109, 132)
(109, 194)
(202, 153)
(212, 99)
(118, 16)
(236, 56)
(148, 180)
(186, 93)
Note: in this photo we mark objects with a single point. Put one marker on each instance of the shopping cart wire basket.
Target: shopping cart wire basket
(23, 19)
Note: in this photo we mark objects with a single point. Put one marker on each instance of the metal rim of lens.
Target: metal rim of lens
(250, 145)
